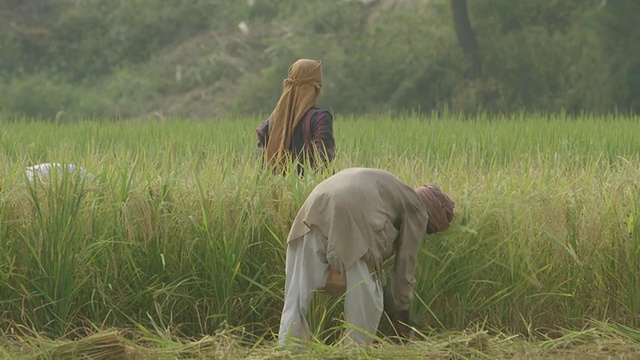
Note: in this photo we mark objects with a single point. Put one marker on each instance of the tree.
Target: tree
(466, 36)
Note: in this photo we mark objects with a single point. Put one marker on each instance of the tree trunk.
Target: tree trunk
(466, 35)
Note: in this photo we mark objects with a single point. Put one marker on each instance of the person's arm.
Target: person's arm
(406, 259)
(323, 141)
(402, 278)
(263, 133)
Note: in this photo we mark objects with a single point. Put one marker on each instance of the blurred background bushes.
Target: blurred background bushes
(209, 58)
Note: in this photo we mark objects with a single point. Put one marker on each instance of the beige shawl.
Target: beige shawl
(301, 91)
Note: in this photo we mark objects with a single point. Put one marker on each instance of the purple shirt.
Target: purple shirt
(312, 137)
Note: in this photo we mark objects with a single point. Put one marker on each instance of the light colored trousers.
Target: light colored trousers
(307, 268)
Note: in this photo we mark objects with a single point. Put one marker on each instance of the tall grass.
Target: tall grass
(183, 233)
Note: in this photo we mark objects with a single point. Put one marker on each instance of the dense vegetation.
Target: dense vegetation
(184, 234)
(122, 58)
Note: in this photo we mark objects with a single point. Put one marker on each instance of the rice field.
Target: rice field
(176, 249)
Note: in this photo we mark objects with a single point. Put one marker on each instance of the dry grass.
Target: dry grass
(602, 341)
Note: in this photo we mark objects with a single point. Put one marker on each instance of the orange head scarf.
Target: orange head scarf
(439, 207)
(301, 91)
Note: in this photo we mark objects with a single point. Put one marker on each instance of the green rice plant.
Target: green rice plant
(184, 232)
(51, 245)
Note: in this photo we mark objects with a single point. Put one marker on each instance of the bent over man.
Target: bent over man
(346, 228)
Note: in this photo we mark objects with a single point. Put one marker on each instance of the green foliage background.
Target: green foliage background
(140, 58)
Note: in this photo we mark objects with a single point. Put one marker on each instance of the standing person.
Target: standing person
(349, 224)
(297, 130)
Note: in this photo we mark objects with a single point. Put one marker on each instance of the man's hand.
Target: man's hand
(401, 320)
(403, 324)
